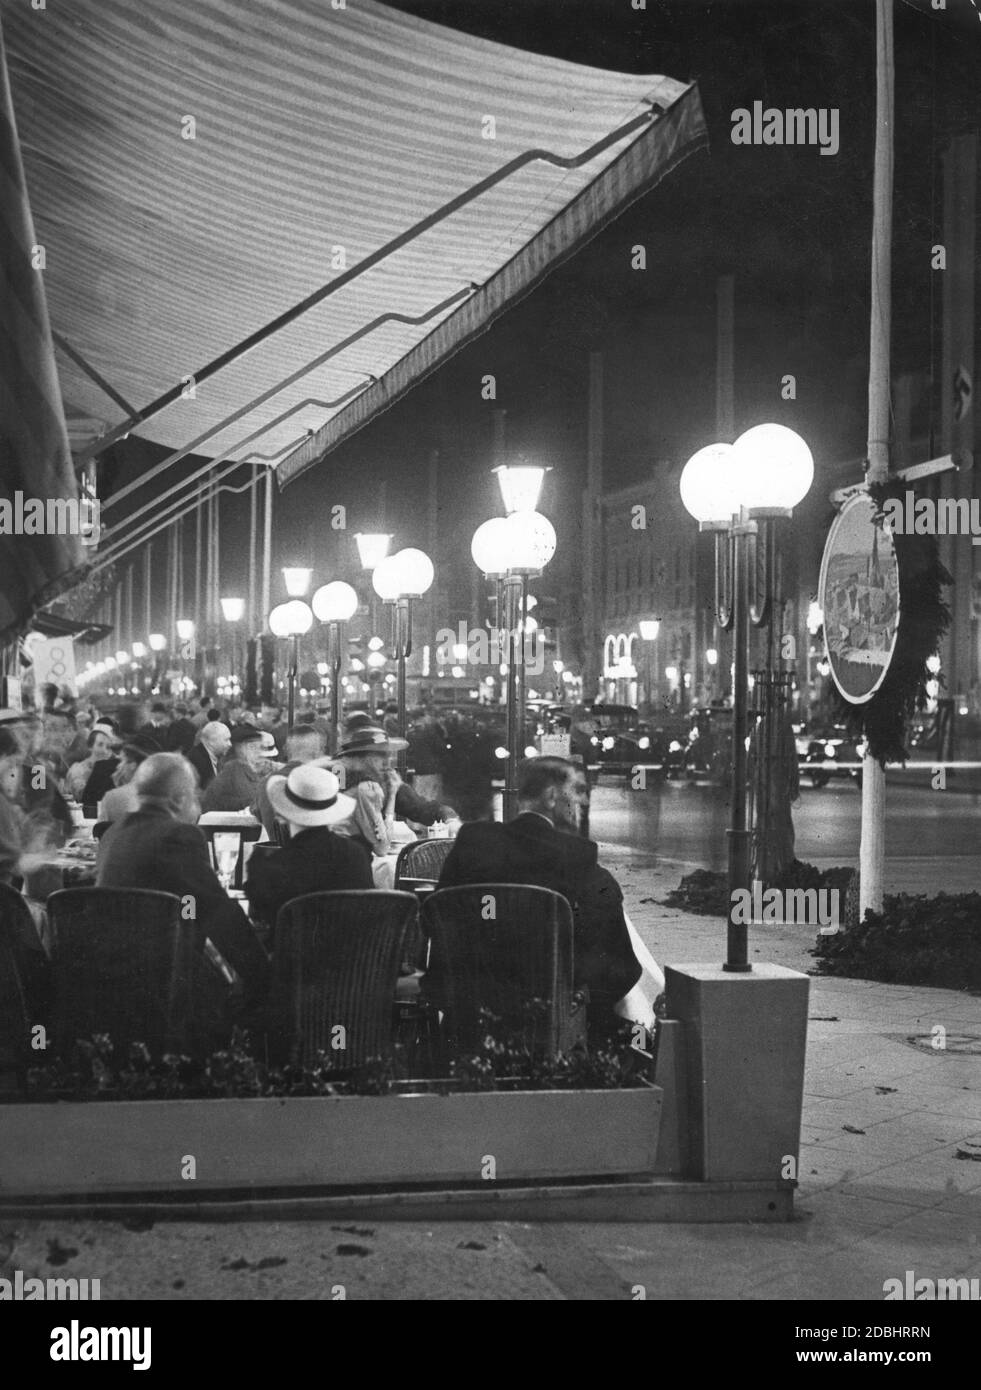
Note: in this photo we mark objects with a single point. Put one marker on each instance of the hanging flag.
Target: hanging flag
(42, 524)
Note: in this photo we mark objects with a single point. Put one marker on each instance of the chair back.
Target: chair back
(124, 963)
(498, 947)
(336, 963)
(423, 860)
(20, 965)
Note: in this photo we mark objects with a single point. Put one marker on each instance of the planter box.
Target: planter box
(116, 1147)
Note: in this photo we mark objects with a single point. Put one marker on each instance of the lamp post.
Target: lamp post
(291, 620)
(649, 628)
(158, 643)
(372, 549)
(512, 549)
(711, 661)
(743, 492)
(233, 610)
(397, 580)
(185, 639)
(335, 604)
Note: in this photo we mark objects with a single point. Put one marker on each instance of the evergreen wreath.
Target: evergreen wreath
(924, 617)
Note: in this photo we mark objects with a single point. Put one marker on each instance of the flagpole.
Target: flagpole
(872, 853)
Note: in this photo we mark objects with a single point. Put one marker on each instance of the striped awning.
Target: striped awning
(39, 546)
(199, 170)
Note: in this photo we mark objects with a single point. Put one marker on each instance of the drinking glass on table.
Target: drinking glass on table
(226, 859)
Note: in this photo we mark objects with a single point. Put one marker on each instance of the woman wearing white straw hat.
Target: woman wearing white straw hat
(314, 860)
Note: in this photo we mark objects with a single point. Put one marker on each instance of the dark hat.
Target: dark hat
(246, 733)
(141, 745)
(360, 719)
(370, 740)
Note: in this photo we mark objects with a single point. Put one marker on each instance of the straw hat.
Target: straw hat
(309, 796)
(370, 740)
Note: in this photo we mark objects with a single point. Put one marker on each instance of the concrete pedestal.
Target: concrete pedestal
(745, 1039)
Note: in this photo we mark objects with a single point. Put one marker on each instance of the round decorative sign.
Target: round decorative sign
(859, 594)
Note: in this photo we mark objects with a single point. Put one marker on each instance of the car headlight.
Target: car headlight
(500, 752)
(829, 750)
(674, 746)
(608, 743)
(644, 742)
(594, 740)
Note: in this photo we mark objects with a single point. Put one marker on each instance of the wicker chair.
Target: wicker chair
(336, 961)
(19, 965)
(126, 964)
(421, 862)
(418, 867)
(500, 964)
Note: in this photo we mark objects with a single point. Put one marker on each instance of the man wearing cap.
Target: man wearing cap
(205, 757)
(315, 860)
(235, 787)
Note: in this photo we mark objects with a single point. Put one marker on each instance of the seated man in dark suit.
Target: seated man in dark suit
(206, 755)
(314, 860)
(541, 847)
(160, 847)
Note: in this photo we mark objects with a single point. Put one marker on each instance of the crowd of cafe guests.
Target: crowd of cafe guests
(146, 777)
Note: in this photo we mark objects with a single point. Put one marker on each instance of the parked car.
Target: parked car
(612, 736)
(707, 750)
(820, 751)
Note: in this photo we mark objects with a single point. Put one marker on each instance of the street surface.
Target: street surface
(687, 825)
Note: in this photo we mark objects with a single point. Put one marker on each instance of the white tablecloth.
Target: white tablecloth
(638, 1005)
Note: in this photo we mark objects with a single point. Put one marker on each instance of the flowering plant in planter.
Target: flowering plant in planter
(505, 1060)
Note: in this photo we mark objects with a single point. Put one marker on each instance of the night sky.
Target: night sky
(791, 225)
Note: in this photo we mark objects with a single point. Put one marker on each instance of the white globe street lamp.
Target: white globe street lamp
(707, 486)
(291, 620)
(773, 469)
(529, 542)
(488, 547)
(510, 549)
(743, 492)
(397, 580)
(335, 604)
